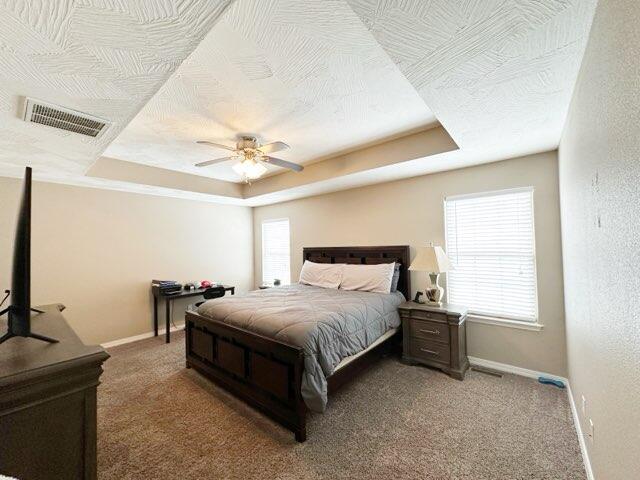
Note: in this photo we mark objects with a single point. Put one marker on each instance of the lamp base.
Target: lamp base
(421, 300)
(434, 292)
(433, 304)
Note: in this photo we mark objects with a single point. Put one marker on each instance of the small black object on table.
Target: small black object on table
(157, 294)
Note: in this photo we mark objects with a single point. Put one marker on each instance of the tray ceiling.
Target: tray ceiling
(324, 76)
(307, 73)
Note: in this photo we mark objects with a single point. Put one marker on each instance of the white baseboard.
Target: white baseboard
(581, 437)
(525, 372)
(503, 367)
(142, 336)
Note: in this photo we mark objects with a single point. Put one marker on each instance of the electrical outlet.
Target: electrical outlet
(591, 431)
(584, 406)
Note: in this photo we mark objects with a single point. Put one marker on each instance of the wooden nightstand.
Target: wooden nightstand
(435, 336)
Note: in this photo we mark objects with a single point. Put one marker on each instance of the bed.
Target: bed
(258, 347)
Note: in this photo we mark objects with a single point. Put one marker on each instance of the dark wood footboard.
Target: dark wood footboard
(264, 372)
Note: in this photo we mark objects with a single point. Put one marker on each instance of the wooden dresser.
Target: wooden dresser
(435, 336)
(48, 402)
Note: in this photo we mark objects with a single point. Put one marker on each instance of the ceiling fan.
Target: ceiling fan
(251, 155)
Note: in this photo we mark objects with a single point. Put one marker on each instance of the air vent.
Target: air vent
(63, 118)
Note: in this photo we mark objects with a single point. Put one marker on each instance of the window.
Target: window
(490, 240)
(275, 251)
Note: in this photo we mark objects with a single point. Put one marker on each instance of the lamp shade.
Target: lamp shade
(431, 259)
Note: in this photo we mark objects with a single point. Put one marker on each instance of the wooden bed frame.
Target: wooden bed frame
(267, 373)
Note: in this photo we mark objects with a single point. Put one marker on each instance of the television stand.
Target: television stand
(11, 333)
(48, 403)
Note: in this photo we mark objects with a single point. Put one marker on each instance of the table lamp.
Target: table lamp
(434, 261)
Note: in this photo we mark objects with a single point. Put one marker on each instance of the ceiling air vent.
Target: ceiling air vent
(63, 118)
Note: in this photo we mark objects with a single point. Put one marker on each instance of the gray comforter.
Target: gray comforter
(328, 324)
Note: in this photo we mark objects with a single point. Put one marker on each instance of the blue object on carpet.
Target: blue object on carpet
(551, 381)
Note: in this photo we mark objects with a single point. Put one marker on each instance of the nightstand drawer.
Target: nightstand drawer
(437, 332)
(424, 315)
(429, 351)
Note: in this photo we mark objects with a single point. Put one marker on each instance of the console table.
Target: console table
(48, 402)
(169, 300)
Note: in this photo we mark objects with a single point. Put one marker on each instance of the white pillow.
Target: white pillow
(325, 275)
(368, 278)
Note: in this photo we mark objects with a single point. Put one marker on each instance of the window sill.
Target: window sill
(503, 322)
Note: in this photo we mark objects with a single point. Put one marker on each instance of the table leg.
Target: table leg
(168, 314)
(155, 316)
(233, 290)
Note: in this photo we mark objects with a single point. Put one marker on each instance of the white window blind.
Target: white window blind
(275, 251)
(490, 240)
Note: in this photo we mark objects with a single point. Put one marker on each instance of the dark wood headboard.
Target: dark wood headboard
(366, 256)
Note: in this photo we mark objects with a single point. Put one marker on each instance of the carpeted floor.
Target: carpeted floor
(158, 420)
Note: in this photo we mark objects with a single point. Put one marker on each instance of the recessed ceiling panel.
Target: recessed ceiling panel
(306, 73)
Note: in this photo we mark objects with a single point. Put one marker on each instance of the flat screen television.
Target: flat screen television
(19, 309)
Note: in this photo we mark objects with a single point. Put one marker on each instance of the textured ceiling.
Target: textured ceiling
(103, 57)
(307, 73)
(323, 76)
(498, 74)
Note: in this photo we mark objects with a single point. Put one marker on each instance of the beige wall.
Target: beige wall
(96, 251)
(411, 212)
(600, 193)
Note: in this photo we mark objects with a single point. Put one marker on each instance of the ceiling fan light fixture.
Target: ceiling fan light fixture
(249, 169)
(250, 155)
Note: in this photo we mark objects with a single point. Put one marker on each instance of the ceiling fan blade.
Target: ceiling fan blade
(217, 145)
(273, 147)
(211, 162)
(283, 163)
